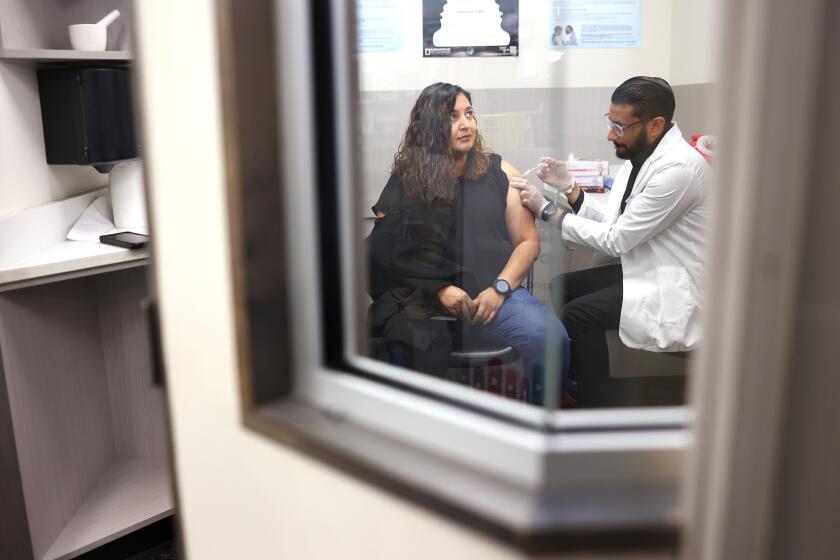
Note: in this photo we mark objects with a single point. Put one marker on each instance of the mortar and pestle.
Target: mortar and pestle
(92, 36)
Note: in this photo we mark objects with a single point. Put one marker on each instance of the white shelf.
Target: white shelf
(132, 494)
(69, 55)
(69, 259)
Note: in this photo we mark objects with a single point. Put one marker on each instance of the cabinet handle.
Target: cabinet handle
(150, 308)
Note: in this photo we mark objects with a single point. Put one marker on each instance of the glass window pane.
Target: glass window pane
(556, 290)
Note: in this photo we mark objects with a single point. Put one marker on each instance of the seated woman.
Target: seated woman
(452, 239)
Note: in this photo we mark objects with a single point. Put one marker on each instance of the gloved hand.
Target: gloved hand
(529, 195)
(555, 173)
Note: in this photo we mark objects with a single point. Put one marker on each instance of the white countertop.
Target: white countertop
(34, 248)
(70, 259)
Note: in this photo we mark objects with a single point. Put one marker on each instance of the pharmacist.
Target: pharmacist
(650, 237)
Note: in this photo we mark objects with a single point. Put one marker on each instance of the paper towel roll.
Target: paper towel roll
(128, 196)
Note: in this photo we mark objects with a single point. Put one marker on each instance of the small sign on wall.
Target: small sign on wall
(379, 25)
(460, 28)
(606, 24)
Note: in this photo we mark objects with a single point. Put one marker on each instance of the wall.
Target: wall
(535, 66)
(696, 39)
(25, 178)
(240, 495)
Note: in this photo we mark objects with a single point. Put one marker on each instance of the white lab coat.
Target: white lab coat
(661, 239)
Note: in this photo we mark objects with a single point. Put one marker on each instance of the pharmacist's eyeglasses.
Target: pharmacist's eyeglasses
(616, 127)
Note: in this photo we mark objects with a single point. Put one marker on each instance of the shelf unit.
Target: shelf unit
(131, 494)
(41, 25)
(83, 441)
(86, 420)
(63, 55)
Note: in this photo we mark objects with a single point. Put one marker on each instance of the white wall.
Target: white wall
(610, 67)
(696, 36)
(535, 66)
(680, 41)
(241, 495)
(25, 178)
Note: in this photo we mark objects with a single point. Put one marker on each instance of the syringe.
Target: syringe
(533, 169)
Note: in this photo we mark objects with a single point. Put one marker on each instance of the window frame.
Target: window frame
(535, 480)
(755, 384)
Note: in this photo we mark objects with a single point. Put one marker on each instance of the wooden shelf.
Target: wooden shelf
(131, 494)
(55, 55)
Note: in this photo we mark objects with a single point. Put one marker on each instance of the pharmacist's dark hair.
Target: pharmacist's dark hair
(650, 97)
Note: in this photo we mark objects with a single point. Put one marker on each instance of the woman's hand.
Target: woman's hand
(457, 302)
(487, 304)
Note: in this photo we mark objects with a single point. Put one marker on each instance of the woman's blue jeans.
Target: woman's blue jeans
(530, 327)
(522, 322)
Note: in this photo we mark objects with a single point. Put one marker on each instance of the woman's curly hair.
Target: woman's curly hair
(424, 163)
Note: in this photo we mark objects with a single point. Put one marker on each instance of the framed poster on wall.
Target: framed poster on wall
(470, 28)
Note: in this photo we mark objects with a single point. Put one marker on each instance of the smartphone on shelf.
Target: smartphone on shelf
(125, 239)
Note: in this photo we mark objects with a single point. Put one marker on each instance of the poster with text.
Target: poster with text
(470, 28)
(595, 24)
(379, 25)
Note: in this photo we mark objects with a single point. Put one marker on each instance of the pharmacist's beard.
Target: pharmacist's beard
(624, 151)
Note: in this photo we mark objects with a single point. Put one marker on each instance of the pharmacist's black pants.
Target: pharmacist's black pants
(589, 304)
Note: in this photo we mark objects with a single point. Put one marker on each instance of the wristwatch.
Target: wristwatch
(502, 287)
(548, 211)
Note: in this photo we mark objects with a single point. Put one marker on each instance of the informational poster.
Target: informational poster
(470, 28)
(595, 24)
(379, 25)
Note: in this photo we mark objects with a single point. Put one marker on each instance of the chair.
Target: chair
(483, 364)
(494, 367)
(646, 378)
(631, 362)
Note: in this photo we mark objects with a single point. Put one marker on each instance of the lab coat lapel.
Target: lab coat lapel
(651, 164)
(614, 200)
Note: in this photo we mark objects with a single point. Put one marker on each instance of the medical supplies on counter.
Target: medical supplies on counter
(590, 175)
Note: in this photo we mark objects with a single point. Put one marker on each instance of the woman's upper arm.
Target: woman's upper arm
(389, 200)
(518, 219)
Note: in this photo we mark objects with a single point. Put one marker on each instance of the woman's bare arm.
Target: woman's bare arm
(522, 233)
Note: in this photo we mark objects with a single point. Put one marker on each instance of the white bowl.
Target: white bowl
(88, 37)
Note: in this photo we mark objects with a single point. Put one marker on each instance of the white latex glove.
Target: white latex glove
(529, 195)
(555, 173)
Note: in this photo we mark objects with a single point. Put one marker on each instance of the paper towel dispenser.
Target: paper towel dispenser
(87, 115)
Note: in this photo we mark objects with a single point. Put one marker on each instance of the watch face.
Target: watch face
(548, 211)
(502, 286)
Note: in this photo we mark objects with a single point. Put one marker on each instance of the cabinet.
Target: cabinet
(82, 417)
(83, 442)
